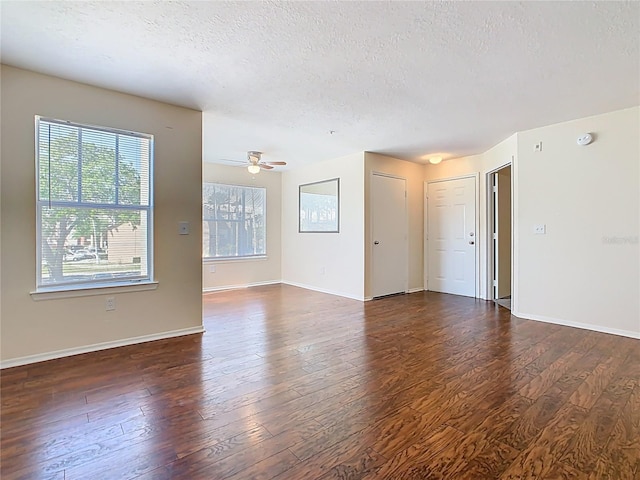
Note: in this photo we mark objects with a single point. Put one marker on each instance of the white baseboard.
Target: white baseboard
(41, 357)
(323, 290)
(411, 290)
(236, 287)
(584, 326)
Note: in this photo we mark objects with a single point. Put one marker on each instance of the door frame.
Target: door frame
(490, 227)
(479, 237)
(406, 228)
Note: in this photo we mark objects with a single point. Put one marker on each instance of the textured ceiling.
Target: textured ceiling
(405, 79)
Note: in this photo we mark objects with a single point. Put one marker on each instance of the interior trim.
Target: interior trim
(41, 357)
(584, 326)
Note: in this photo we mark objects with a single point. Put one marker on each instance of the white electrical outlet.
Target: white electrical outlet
(111, 303)
(212, 269)
(540, 229)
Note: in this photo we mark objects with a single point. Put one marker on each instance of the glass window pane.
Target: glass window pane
(98, 170)
(133, 170)
(92, 244)
(58, 162)
(233, 221)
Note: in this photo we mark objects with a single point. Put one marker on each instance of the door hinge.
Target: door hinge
(495, 189)
(495, 236)
(495, 283)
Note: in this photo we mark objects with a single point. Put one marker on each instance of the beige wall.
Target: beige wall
(235, 273)
(38, 328)
(414, 174)
(585, 270)
(328, 262)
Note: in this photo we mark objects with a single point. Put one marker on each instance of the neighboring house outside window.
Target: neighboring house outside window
(94, 206)
(233, 221)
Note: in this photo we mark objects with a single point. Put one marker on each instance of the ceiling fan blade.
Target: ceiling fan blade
(265, 166)
(275, 163)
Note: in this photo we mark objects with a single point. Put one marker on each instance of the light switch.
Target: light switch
(540, 229)
(183, 228)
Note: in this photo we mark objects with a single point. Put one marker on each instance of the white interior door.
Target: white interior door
(389, 235)
(451, 236)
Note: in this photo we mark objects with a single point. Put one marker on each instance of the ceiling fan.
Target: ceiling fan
(255, 162)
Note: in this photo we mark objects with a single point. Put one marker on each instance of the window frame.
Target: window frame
(237, 258)
(141, 282)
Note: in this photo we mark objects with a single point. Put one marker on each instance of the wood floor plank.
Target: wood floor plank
(416, 461)
(528, 425)
(542, 382)
(621, 456)
(299, 385)
(539, 457)
(592, 435)
(589, 391)
(489, 463)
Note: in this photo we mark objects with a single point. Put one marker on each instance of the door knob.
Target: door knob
(472, 242)
(376, 242)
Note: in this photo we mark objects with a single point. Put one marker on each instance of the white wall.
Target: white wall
(328, 262)
(414, 174)
(494, 158)
(33, 330)
(585, 270)
(236, 273)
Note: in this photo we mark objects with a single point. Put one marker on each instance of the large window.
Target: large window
(94, 201)
(233, 221)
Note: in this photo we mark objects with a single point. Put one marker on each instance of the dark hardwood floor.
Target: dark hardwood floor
(293, 384)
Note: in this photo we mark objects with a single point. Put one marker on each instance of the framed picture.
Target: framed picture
(319, 204)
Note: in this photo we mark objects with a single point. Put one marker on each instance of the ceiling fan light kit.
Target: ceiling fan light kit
(256, 164)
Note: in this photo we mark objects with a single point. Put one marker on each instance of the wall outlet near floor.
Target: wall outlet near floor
(183, 228)
(212, 269)
(540, 229)
(111, 303)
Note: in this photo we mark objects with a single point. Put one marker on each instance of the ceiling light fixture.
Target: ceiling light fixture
(435, 160)
(253, 169)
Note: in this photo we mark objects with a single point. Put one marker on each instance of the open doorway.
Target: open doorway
(500, 219)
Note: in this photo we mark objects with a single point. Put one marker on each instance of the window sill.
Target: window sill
(85, 291)
(234, 259)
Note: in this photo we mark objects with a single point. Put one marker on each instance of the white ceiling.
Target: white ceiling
(407, 79)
